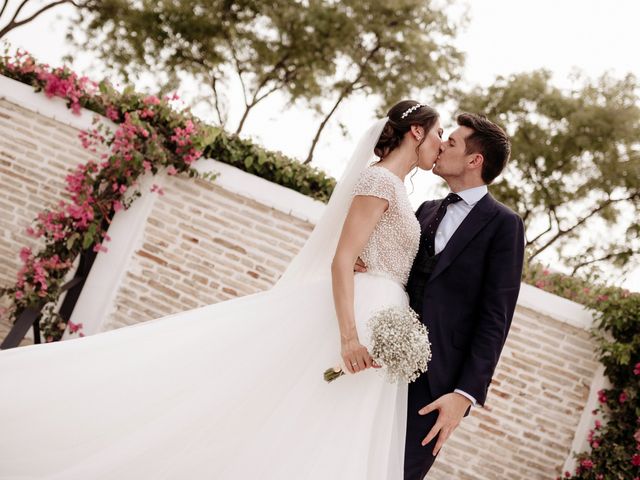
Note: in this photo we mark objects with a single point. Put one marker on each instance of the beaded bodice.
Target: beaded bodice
(393, 245)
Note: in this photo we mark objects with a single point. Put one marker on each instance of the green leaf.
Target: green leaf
(87, 241)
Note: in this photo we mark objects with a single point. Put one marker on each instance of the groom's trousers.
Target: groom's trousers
(418, 459)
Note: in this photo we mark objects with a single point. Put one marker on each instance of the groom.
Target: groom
(464, 285)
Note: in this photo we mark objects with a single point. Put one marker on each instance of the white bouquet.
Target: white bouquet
(399, 343)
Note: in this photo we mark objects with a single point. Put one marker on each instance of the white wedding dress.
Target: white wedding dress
(233, 390)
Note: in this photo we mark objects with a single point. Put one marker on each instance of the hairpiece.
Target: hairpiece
(411, 109)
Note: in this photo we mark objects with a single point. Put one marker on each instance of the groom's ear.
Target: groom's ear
(476, 160)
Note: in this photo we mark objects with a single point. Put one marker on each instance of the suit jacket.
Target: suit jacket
(468, 300)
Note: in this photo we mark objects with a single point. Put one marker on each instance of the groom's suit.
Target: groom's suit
(465, 295)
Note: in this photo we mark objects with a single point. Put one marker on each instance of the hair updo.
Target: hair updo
(395, 128)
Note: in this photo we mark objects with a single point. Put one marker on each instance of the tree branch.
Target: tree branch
(550, 214)
(4, 6)
(346, 91)
(562, 232)
(13, 24)
(629, 251)
(216, 97)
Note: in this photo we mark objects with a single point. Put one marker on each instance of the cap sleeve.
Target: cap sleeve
(374, 182)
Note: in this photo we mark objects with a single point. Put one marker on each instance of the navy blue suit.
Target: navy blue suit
(467, 302)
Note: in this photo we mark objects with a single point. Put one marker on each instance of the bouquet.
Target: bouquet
(399, 343)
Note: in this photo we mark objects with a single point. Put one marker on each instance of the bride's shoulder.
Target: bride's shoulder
(378, 182)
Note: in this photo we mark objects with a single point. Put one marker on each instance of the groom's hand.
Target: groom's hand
(359, 266)
(451, 407)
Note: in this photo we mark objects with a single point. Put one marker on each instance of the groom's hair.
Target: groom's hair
(489, 140)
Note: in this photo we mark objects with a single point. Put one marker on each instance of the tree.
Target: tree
(305, 49)
(393, 50)
(268, 46)
(15, 23)
(574, 175)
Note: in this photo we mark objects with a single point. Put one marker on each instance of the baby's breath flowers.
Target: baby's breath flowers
(399, 343)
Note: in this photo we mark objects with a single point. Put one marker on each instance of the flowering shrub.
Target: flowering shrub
(615, 436)
(150, 135)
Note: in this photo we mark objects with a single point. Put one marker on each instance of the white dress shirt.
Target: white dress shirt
(456, 213)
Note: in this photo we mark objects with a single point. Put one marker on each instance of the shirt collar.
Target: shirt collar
(471, 196)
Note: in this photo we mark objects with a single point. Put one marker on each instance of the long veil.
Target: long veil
(231, 390)
(314, 259)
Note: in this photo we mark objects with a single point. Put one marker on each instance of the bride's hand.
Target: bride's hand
(356, 356)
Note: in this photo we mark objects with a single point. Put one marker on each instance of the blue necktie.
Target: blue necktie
(430, 234)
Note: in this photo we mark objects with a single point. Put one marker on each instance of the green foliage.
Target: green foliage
(615, 437)
(575, 164)
(316, 51)
(272, 166)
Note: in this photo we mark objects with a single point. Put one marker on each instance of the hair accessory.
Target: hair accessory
(411, 109)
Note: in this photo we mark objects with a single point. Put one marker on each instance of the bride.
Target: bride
(235, 390)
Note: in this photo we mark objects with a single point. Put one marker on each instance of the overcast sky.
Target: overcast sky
(503, 37)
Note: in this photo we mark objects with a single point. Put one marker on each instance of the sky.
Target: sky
(502, 37)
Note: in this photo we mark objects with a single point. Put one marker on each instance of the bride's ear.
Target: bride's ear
(418, 132)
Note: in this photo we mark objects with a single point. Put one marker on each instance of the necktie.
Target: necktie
(430, 234)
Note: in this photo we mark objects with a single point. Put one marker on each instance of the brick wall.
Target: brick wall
(533, 406)
(206, 242)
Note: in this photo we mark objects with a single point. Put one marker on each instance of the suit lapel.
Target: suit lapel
(477, 218)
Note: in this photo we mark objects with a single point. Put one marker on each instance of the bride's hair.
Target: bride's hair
(396, 127)
(401, 116)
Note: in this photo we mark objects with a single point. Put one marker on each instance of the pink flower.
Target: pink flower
(602, 396)
(25, 254)
(623, 397)
(603, 298)
(99, 248)
(635, 460)
(112, 113)
(636, 436)
(598, 424)
(540, 284)
(156, 188)
(636, 369)
(595, 444)
(19, 294)
(171, 170)
(586, 463)
(151, 100)
(74, 327)
(117, 205)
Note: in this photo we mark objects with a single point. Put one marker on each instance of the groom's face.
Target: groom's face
(453, 159)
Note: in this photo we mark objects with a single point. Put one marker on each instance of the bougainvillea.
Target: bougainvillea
(148, 134)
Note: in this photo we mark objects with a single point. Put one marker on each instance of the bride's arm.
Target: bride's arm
(363, 215)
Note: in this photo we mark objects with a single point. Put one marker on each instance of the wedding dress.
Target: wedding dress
(233, 390)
